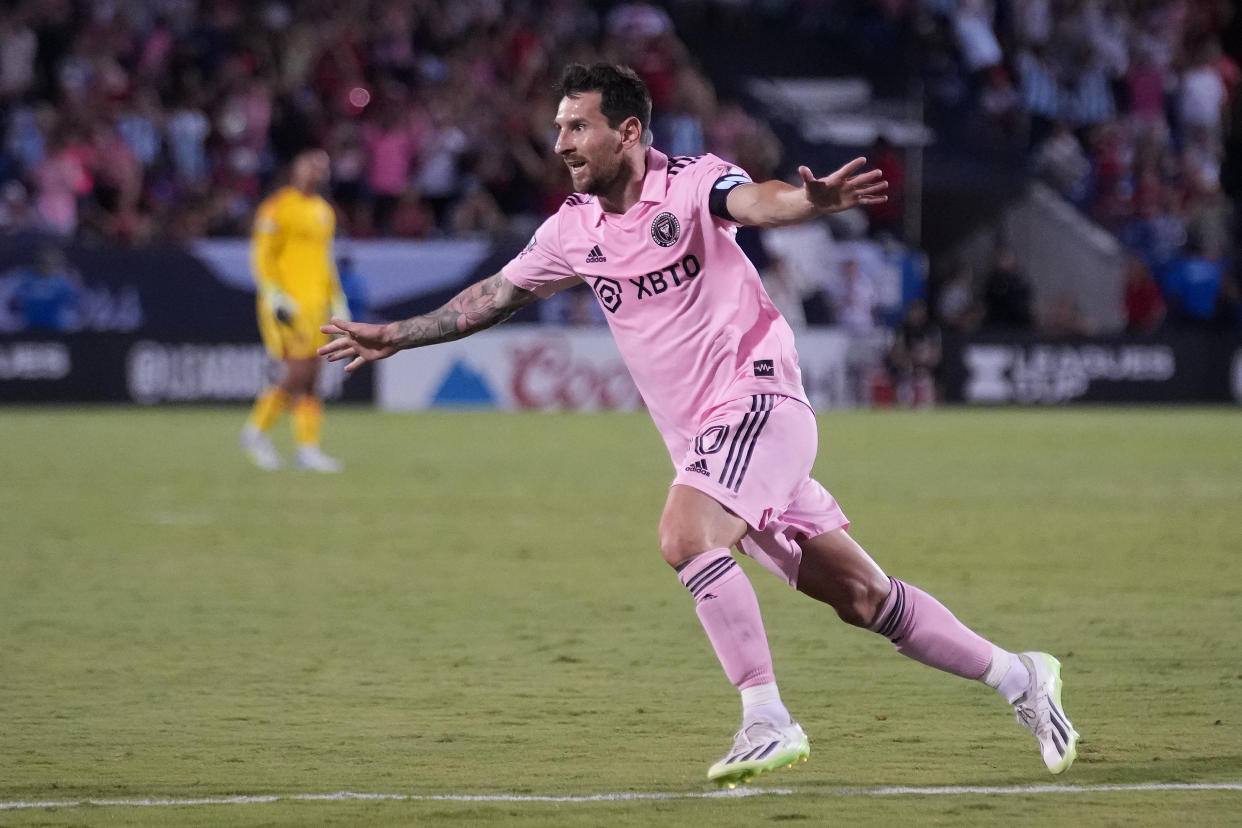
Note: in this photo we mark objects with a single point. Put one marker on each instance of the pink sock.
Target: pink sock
(729, 611)
(923, 629)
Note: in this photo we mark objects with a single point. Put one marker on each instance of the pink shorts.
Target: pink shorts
(754, 456)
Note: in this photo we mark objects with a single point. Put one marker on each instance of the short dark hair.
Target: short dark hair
(622, 93)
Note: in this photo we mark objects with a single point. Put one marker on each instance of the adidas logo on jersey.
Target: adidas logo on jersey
(595, 256)
(699, 466)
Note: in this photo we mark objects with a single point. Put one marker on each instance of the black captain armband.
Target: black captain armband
(718, 201)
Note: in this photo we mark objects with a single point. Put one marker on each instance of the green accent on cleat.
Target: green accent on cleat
(1071, 747)
(1040, 711)
(790, 745)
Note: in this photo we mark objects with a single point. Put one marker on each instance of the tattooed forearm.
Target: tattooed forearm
(482, 305)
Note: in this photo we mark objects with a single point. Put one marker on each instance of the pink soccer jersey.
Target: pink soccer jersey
(685, 305)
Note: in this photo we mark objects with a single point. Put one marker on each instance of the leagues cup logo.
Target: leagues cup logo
(665, 229)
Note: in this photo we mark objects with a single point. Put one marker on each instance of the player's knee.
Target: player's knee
(678, 545)
(859, 599)
(300, 376)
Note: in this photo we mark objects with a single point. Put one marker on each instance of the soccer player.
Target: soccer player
(654, 238)
(298, 291)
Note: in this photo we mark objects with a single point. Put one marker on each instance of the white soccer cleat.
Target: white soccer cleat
(260, 449)
(1039, 710)
(759, 747)
(311, 458)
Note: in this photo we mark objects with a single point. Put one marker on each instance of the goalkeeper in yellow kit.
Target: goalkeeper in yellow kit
(298, 290)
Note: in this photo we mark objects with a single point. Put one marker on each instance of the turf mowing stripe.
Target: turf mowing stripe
(344, 796)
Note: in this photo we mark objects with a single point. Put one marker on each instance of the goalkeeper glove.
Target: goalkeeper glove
(282, 304)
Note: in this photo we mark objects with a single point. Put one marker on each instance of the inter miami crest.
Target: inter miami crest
(665, 229)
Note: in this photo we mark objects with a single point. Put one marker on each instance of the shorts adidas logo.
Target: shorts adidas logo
(699, 466)
(595, 256)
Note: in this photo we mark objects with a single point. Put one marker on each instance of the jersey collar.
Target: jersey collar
(655, 183)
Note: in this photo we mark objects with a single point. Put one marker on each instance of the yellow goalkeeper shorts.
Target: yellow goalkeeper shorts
(297, 339)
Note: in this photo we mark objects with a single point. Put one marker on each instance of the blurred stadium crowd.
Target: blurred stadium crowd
(132, 121)
(1123, 106)
(169, 118)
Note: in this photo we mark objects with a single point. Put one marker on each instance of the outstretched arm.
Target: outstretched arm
(775, 203)
(482, 305)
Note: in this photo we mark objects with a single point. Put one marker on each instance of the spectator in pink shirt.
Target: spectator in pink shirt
(391, 145)
(59, 180)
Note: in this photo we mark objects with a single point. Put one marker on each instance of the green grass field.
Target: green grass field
(477, 606)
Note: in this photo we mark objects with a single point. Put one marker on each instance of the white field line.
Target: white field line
(348, 796)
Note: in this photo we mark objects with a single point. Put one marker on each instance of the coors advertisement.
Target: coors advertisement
(1027, 370)
(544, 368)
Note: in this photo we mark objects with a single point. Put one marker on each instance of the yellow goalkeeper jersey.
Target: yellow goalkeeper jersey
(292, 249)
